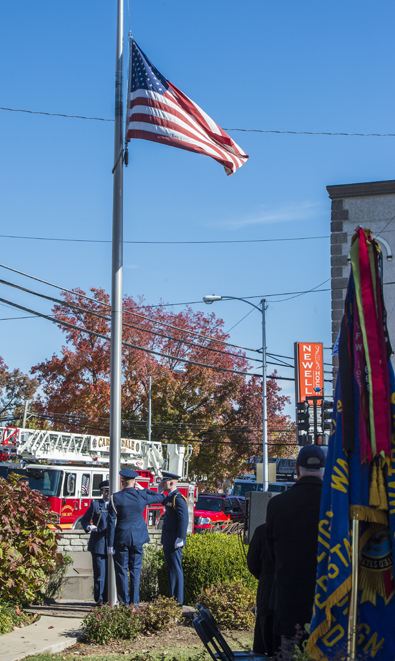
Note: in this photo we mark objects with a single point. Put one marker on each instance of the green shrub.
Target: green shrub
(231, 603)
(28, 547)
(153, 562)
(106, 623)
(160, 614)
(52, 589)
(11, 616)
(208, 560)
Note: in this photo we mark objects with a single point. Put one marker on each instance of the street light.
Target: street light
(212, 298)
(179, 370)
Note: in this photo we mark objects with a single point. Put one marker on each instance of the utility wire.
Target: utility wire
(73, 306)
(135, 346)
(126, 311)
(102, 119)
(45, 238)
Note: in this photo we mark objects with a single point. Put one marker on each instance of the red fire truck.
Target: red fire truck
(68, 468)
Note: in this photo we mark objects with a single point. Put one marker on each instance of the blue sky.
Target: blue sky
(280, 65)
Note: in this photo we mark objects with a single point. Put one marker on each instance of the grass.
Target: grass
(171, 655)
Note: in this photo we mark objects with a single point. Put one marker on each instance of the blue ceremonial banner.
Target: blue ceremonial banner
(349, 486)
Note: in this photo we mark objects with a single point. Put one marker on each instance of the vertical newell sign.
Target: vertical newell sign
(309, 369)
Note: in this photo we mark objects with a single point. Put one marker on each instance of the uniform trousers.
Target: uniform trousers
(173, 559)
(128, 561)
(100, 570)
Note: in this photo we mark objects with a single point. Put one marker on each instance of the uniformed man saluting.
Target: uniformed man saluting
(95, 522)
(174, 533)
(127, 532)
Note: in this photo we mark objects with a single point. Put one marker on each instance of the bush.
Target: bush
(231, 603)
(208, 560)
(28, 547)
(106, 623)
(160, 614)
(153, 562)
(56, 579)
(11, 616)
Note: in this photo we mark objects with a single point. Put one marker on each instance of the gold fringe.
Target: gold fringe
(382, 492)
(368, 514)
(373, 490)
(325, 626)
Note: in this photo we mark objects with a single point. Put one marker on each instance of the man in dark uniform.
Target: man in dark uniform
(127, 532)
(292, 540)
(95, 522)
(174, 533)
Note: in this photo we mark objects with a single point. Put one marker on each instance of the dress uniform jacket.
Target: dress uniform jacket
(130, 528)
(175, 526)
(292, 541)
(98, 539)
(127, 532)
(97, 513)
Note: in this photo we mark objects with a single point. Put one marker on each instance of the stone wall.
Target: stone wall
(371, 205)
(77, 540)
(72, 541)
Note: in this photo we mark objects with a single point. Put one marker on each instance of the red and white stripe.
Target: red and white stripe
(173, 119)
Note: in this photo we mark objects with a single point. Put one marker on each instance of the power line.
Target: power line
(126, 311)
(77, 308)
(102, 119)
(160, 243)
(135, 346)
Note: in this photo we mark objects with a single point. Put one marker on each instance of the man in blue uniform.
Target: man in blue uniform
(174, 533)
(127, 532)
(95, 522)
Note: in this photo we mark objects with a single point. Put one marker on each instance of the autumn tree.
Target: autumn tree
(211, 405)
(15, 389)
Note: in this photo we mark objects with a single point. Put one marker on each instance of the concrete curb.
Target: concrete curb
(49, 634)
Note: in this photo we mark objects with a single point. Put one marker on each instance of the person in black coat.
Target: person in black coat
(174, 533)
(261, 566)
(95, 522)
(292, 541)
(127, 532)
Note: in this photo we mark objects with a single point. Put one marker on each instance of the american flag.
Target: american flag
(160, 112)
(85, 485)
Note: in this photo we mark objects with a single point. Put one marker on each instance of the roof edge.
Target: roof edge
(361, 190)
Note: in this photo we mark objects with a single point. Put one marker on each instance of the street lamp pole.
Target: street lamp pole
(265, 460)
(265, 457)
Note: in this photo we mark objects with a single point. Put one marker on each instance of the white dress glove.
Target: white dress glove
(92, 528)
(138, 487)
(110, 550)
(178, 543)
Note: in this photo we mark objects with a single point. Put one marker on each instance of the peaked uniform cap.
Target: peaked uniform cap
(169, 476)
(128, 473)
(105, 484)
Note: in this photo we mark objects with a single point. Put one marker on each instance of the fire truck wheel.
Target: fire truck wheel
(78, 525)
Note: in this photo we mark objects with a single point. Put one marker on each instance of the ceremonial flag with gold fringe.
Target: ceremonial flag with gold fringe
(359, 477)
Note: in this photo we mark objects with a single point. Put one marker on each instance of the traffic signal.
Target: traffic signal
(302, 416)
(326, 415)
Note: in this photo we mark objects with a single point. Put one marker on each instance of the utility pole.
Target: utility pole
(25, 413)
(265, 458)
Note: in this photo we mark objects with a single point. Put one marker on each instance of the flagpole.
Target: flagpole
(116, 285)
(353, 603)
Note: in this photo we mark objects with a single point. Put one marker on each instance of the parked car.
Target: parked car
(213, 511)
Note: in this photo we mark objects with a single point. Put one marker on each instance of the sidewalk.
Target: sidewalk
(49, 634)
